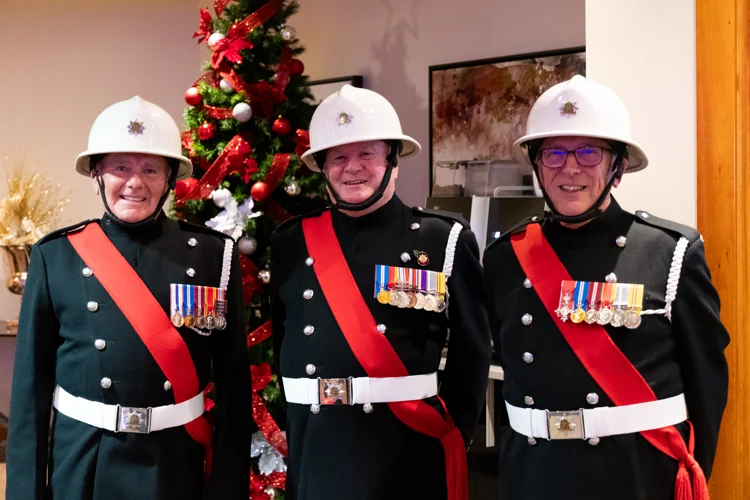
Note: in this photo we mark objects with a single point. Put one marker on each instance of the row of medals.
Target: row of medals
(618, 317)
(208, 322)
(412, 299)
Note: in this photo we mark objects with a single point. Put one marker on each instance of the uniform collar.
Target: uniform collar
(378, 218)
(115, 230)
(596, 226)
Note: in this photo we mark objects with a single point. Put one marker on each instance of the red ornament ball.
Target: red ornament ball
(192, 96)
(297, 67)
(260, 191)
(182, 188)
(206, 131)
(281, 126)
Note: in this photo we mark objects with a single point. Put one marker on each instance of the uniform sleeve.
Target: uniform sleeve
(701, 340)
(467, 367)
(230, 476)
(33, 387)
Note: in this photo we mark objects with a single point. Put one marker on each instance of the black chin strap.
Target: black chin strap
(595, 210)
(391, 162)
(151, 218)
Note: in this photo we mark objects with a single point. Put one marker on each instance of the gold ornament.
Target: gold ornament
(265, 276)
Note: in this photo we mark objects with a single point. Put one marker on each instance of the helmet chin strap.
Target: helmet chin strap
(391, 162)
(593, 211)
(151, 218)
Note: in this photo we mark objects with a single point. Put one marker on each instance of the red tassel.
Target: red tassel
(683, 490)
(700, 488)
(456, 467)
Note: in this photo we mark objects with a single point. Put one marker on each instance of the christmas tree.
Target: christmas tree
(246, 130)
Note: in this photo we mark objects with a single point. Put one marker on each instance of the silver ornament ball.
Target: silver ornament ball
(221, 197)
(293, 189)
(247, 245)
(271, 492)
(226, 87)
(288, 33)
(242, 112)
(214, 39)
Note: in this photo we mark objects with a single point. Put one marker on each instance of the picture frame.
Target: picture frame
(478, 108)
(320, 89)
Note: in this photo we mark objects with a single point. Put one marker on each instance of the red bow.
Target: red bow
(261, 376)
(303, 142)
(205, 27)
(264, 97)
(229, 49)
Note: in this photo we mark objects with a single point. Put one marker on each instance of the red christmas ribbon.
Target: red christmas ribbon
(260, 16)
(259, 483)
(218, 113)
(230, 159)
(260, 334)
(261, 376)
(263, 96)
(277, 170)
(249, 273)
(285, 69)
(219, 6)
(303, 142)
(277, 212)
(268, 425)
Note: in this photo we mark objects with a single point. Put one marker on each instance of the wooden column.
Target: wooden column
(723, 114)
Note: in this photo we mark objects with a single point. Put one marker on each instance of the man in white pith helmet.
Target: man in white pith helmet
(606, 322)
(123, 321)
(364, 295)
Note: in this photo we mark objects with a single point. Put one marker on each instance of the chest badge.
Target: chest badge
(422, 258)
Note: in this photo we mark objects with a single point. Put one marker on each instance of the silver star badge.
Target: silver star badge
(569, 108)
(344, 118)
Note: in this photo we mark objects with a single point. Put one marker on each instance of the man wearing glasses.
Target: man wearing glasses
(606, 322)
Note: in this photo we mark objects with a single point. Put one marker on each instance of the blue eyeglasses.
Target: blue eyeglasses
(586, 156)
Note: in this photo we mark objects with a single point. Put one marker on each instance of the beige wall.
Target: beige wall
(645, 51)
(393, 42)
(63, 63)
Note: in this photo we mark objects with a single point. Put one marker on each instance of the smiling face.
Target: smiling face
(133, 183)
(572, 187)
(356, 170)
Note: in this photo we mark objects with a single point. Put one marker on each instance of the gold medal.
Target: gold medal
(384, 297)
(177, 320)
(200, 320)
(210, 322)
(189, 321)
(412, 299)
(578, 315)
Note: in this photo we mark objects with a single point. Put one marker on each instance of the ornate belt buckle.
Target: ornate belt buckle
(134, 420)
(565, 424)
(335, 391)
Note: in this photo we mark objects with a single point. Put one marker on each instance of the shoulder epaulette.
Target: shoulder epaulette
(65, 230)
(198, 228)
(520, 226)
(298, 218)
(675, 227)
(443, 214)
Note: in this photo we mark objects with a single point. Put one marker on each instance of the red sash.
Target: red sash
(147, 318)
(374, 352)
(606, 364)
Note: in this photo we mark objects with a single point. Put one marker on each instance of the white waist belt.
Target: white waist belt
(597, 422)
(118, 418)
(359, 390)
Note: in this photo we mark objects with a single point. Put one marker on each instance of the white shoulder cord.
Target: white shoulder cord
(673, 280)
(450, 254)
(226, 268)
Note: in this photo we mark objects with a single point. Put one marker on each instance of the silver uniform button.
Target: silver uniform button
(528, 358)
(420, 209)
(310, 369)
(315, 409)
(192, 242)
(414, 226)
(100, 344)
(405, 257)
(645, 215)
(106, 383)
(594, 441)
(367, 408)
(532, 441)
(87, 272)
(611, 278)
(308, 294)
(167, 385)
(528, 400)
(190, 272)
(309, 261)
(381, 328)
(621, 241)
(526, 319)
(535, 218)
(309, 330)
(527, 283)
(92, 306)
(592, 398)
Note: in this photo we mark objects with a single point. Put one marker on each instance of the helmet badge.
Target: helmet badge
(136, 127)
(569, 108)
(344, 118)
